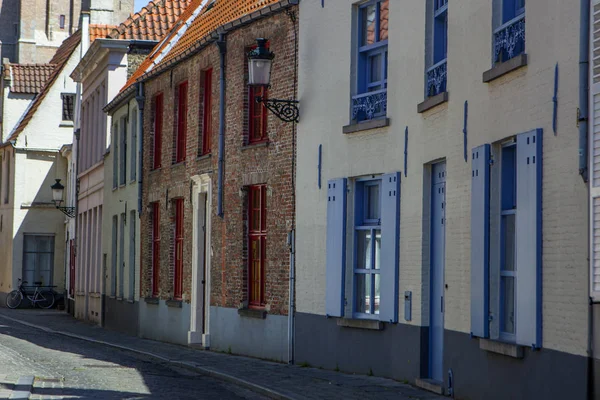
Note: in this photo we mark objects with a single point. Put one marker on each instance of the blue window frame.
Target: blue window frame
(509, 38)
(371, 90)
(437, 73)
(508, 265)
(512, 9)
(367, 248)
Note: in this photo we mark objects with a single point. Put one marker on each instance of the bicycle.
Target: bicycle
(41, 298)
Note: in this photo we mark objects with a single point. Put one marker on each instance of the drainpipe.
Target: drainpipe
(584, 39)
(140, 102)
(292, 244)
(222, 51)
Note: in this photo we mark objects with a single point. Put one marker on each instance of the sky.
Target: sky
(138, 4)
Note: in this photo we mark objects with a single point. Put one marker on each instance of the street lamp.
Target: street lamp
(260, 61)
(57, 195)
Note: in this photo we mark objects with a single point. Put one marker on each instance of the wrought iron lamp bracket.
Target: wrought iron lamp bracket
(68, 211)
(285, 110)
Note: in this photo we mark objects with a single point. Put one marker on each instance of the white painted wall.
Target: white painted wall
(515, 103)
(15, 105)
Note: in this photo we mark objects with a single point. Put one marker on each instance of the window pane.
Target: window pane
(508, 242)
(383, 19)
(373, 207)
(508, 305)
(509, 178)
(377, 293)
(30, 244)
(363, 250)
(363, 293)
(377, 248)
(375, 68)
(45, 243)
(368, 25)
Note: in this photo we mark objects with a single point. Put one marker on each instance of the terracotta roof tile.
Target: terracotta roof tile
(152, 22)
(29, 78)
(60, 59)
(101, 31)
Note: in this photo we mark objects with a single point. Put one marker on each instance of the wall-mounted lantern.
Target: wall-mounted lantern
(57, 196)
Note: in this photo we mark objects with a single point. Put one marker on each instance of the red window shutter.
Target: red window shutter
(155, 248)
(178, 289)
(158, 123)
(257, 119)
(72, 267)
(207, 113)
(257, 243)
(181, 122)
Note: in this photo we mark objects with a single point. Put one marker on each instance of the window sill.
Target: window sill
(366, 125)
(66, 124)
(504, 68)
(152, 171)
(507, 349)
(432, 101)
(178, 164)
(252, 313)
(151, 300)
(204, 157)
(174, 303)
(255, 145)
(360, 323)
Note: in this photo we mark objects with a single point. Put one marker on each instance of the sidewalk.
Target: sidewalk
(278, 381)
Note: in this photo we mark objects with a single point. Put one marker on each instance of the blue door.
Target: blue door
(437, 237)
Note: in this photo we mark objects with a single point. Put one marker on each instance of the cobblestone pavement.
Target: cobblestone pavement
(66, 368)
(274, 379)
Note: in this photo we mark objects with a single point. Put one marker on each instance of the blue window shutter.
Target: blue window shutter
(480, 240)
(390, 235)
(336, 247)
(529, 239)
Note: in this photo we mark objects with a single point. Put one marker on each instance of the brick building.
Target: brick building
(215, 259)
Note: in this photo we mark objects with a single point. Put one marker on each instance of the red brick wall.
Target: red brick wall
(269, 164)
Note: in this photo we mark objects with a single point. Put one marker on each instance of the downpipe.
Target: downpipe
(292, 245)
(582, 111)
(140, 98)
(222, 52)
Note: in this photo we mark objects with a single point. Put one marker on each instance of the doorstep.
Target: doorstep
(430, 385)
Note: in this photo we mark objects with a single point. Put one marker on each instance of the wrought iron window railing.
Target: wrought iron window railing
(509, 39)
(436, 79)
(369, 105)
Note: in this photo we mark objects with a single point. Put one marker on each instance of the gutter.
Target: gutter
(222, 51)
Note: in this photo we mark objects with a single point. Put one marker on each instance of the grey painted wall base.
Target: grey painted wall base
(255, 337)
(399, 351)
(163, 323)
(121, 316)
(541, 374)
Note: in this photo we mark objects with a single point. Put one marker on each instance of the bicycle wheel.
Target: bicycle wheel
(45, 299)
(13, 299)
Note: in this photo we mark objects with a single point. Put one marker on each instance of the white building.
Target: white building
(443, 238)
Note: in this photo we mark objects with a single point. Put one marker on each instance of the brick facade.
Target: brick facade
(269, 163)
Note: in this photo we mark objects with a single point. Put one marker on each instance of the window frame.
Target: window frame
(179, 206)
(122, 151)
(207, 112)
(155, 249)
(253, 93)
(65, 106)
(133, 147)
(35, 268)
(181, 127)
(256, 290)
(361, 224)
(364, 52)
(158, 127)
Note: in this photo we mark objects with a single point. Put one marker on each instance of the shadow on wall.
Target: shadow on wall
(9, 28)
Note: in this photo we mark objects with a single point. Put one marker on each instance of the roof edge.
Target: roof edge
(121, 98)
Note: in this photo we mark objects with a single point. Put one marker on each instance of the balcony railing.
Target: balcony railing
(436, 79)
(369, 105)
(509, 39)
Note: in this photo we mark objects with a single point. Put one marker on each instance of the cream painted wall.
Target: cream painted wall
(515, 103)
(15, 105)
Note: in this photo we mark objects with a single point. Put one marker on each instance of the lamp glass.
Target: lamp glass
(259, 71)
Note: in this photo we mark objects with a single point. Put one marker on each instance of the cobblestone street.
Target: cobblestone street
(69, 368)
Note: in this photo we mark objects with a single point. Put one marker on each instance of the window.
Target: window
(506, 240)
(133, 156)
(38, 259)
(1, 174)
(158, 126)
(206, 112)
(7, 187)
(132, 247)
(257, 242)
(509, 34)
(155, 248)
(436, 59)
(122, 151)
(371, 88)
(122, 256)
(367, 242)
(178, 267)
(68, 101)
(113, 258)
(181, 113)
(61, 21)
(115, 155)
(257, 115)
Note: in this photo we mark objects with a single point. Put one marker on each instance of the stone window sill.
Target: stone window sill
(155, 170)
(432, 101)
(504, 68)
(255, 145)
(504, 348)
(151, 300)
(65, 124)
(178, 164)
(366, 125)
(204, 157)
(174, 303)
(360, 323)
(252, 313)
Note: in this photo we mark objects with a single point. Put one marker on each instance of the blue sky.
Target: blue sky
(138, 4)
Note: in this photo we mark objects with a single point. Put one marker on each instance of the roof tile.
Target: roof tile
(29, 78)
